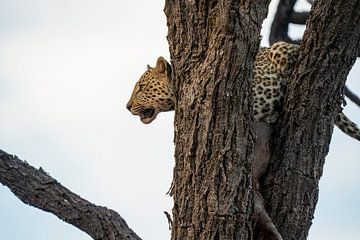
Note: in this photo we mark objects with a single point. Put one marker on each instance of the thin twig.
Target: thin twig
(170, 222)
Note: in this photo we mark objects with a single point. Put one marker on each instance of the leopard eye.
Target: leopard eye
(137, 88)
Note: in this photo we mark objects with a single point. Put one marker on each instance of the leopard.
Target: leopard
(153, 94)
(273, 65)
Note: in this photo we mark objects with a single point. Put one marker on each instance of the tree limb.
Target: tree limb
(299, 17)
(36, 188)
(352, 96)
(280, 24)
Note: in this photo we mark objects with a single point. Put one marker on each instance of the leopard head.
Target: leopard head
(152, 94)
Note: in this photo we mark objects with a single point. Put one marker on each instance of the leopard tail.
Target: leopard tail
(347, 126)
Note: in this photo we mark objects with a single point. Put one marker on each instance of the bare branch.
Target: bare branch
(36, 188)
(280, 24)
(352, 96)
(299, 17)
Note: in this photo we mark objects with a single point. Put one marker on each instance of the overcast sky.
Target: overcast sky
(67, 69)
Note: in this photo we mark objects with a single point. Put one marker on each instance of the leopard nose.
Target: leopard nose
(128, 106)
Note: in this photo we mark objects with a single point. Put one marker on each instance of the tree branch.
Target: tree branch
(36, 188)
(280, 24)
(299, 17)
(352, 96)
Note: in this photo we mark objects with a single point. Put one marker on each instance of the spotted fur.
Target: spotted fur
(152, 93)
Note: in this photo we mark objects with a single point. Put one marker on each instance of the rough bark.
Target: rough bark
(36, 188)
(212, 46)
(285, 15)
(303, 133)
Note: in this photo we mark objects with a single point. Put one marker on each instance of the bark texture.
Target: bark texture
(36, 188)
(303, 133)
(285, 15)
(212, 46)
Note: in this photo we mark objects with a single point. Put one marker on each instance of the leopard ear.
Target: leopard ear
(148, 67)
(162, 66)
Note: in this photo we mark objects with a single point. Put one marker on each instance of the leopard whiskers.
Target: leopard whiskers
(137, 108)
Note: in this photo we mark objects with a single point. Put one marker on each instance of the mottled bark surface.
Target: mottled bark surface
(285, 15)
(36, 188)
(212, 46)
(328, 51)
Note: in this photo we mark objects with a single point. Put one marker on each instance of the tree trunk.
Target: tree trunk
(303, 132)
(212, 46)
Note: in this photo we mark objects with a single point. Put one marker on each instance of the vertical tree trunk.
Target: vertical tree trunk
(212, 46)
(327, 54)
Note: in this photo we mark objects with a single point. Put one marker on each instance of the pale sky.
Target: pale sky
(67, 69)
